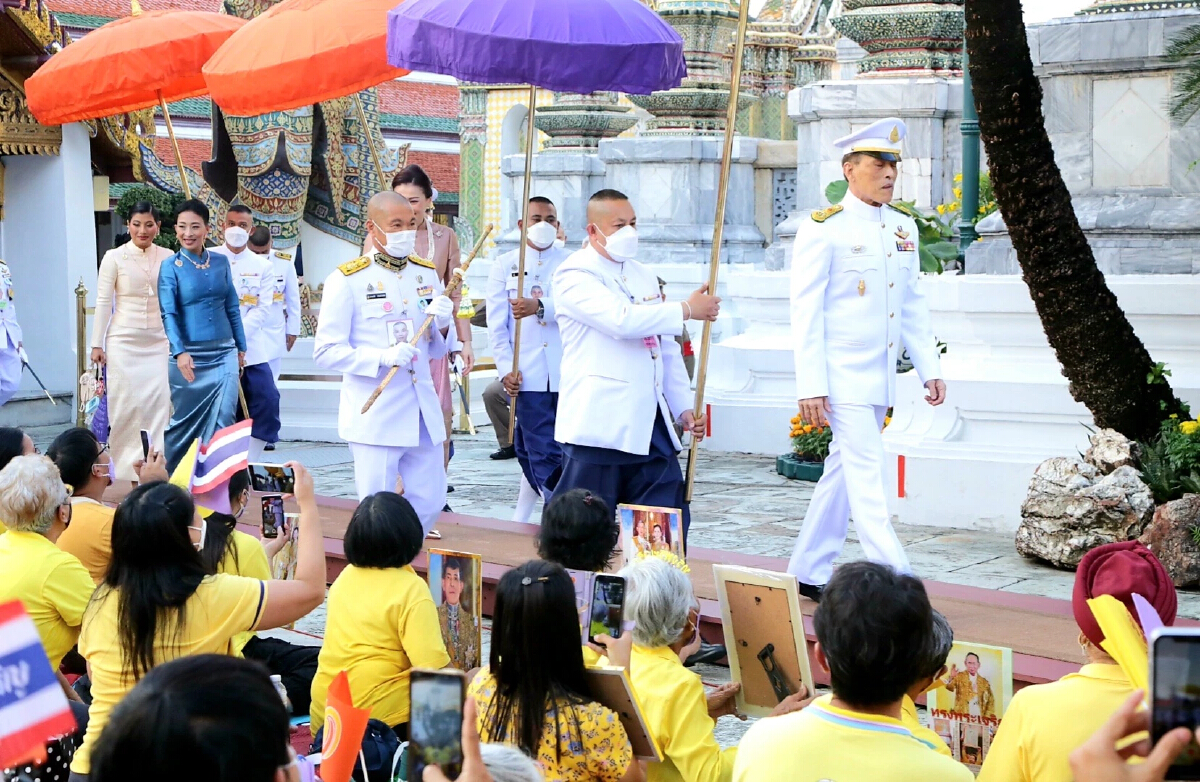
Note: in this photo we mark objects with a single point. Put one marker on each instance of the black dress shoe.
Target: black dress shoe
(269, 447)
(810, 591)
(505, 452)
(449, 489)
(709, 653)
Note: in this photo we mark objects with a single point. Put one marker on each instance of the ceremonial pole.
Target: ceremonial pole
(735, 87)
(362, 120)
(530, 135)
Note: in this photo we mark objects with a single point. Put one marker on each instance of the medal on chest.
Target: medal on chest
(903, 243)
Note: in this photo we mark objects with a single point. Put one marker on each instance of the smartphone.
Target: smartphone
(145, 444)
(1175, 687)
(272, 515)
(273, 478)
(608, 606)
(435, 721)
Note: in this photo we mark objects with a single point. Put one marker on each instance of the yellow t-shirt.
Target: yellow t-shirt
(824, 742)
(587, 743)
(912, 721)
(245, 557)
(380, 623)
(220, 608)
(52, 585)
(89, 537)
(1046, 722)
(676, 711)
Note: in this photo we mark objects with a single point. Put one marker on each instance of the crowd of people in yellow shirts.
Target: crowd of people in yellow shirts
(150, 613)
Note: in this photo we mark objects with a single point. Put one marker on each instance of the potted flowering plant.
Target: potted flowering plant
(810, 446)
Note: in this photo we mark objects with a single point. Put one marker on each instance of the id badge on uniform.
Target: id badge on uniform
(650, 342)
(247, 283)
(424, 296)
(400, 331)
(279, 286)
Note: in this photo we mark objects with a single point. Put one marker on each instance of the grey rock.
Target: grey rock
(1109, 450)
(1170, 537)
(1071, 508)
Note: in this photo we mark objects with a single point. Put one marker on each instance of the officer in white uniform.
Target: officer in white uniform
(855, 301)
(254, 281)
(541, 348)
(283, 318)
(371, 308)
(623, 383)
(10, 338)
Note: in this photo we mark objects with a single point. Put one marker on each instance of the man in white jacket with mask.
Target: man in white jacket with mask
(254, 281)
(368, 304)
(623, 384)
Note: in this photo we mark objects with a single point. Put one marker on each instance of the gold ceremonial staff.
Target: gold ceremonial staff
(735, 88)
(454, 285)
(530, 137)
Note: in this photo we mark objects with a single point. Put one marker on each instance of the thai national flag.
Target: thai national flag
(33, 707)
(227, 452)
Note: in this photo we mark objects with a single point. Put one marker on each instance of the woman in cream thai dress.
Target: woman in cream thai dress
(128, 337)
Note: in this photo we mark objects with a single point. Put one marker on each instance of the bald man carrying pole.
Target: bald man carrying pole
(622, 383)
(370, 309)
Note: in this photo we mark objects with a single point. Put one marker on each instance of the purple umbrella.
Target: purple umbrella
(563, 45)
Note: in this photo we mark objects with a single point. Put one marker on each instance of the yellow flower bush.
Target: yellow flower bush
(809, 441)
(1189, 427)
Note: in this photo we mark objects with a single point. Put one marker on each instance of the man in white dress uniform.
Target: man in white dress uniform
(366, 304)
(855, 301)
(623, 385)
(10, 338)
(283, 322)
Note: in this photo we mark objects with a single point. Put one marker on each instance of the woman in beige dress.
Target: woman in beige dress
(128, 337)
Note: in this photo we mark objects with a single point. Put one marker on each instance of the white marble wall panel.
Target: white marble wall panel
(1130, 135)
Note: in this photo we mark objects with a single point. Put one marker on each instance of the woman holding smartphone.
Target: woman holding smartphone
(204, 328)
(128, 339)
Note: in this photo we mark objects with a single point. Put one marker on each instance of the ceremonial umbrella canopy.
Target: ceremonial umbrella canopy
(304, 52)
(562, 45)
(129, 64)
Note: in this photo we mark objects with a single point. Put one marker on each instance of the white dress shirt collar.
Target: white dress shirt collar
(856, 207)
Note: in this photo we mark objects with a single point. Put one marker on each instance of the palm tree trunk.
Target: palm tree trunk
(1105, 363)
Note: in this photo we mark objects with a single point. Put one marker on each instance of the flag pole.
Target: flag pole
(735, 86)
(530, 137)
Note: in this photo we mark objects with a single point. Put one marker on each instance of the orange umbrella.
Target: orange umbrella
(305, 51)
(130, 64)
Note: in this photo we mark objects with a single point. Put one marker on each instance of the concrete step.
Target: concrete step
(29, 409)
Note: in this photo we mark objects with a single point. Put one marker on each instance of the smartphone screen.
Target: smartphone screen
(273, 478)
(272, 515)
(608, 606)
(145, 444)
(435, 721)
(1175, 682)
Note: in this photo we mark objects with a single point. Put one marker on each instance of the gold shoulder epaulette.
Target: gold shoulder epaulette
(357, 265)
(821, 215)
(284, 256)
(422, 262)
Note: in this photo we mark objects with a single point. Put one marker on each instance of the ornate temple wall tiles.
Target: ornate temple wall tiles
(903, 38)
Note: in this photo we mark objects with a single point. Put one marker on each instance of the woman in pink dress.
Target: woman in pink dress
(128, 338)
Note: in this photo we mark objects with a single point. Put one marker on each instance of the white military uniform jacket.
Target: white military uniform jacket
(254, 281)
(10, 330)
(620, 363)
(283, 315)
(855, 301)
(365, 308)
(541, 346)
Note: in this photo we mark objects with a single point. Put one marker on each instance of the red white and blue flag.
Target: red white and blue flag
(205, 470)
(33, 707)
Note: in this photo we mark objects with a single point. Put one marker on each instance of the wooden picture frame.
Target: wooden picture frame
(764, 629)
(610, 687)
(465, 649)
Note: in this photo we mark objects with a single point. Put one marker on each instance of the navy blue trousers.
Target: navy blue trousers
(262, 399)
(538, 452)
(618, 477)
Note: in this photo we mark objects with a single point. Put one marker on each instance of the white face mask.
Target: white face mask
(560, 243)
(236, 236)
(400, 244)
(203, 532)
(542, 235)
(623, 245)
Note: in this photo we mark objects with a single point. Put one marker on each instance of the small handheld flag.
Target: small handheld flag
(344, 730)
(33, 707)
(205, 470)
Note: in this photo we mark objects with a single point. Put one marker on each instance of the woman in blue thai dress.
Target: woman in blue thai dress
(204, 328)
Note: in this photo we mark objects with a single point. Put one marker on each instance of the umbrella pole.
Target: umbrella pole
(183, 180)
(530, 136)
(362, 120)
(735, 86)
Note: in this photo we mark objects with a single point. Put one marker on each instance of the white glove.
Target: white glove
(24, 356)
(441, 308)
(398, 355)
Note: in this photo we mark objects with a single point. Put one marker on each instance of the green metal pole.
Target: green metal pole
(970, 164)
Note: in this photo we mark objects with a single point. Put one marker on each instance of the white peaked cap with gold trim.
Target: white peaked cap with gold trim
(880, 139)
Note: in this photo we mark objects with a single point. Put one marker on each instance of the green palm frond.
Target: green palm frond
(1184, 50)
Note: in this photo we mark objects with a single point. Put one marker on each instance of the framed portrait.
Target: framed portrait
(456, 583)
(967, 703)
(400, 331)
(581, 580)
(646, 528)
(610, 687)
(764, 635)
